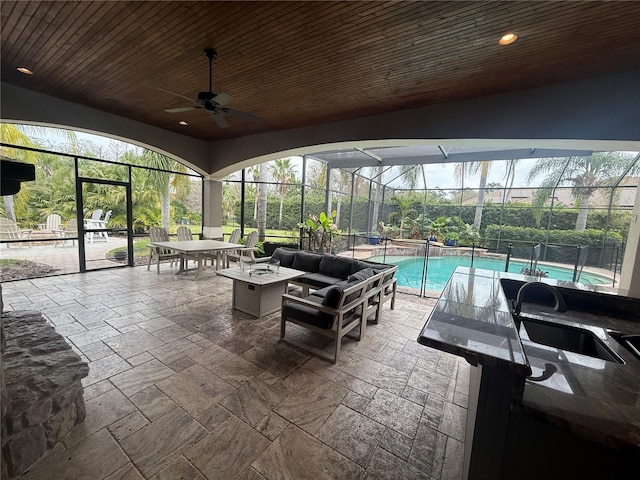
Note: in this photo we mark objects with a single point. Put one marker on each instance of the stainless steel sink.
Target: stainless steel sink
(572, 339)
(630, 342)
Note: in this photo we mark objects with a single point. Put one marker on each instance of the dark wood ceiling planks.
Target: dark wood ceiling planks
(302, 63)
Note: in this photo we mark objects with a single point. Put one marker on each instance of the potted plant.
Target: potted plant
(374, 238)
(451, 238)
(436, 227)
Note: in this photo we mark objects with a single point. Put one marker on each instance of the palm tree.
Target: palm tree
(405, 210)
(378, 197)
(283, 174)
(20, 135)
(343, 177)
(473, 168)
(262, 201)
(410, 176)
(163, 181)
(254, 173)
(586, 175)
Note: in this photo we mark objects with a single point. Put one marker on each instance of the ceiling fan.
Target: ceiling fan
(215, 104)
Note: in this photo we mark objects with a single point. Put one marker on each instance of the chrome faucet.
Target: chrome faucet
(560, 305)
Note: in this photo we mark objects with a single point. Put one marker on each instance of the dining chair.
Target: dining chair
(246, 253)
(184, 234)
(234, 237)
(158, 234)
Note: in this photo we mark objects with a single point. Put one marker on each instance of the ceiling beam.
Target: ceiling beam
(509, 154)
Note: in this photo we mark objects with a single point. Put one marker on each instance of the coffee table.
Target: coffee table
(259, 293)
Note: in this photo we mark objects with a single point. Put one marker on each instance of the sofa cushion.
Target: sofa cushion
(333, 266)
(323, 291)
(318, 280)
(308, 315)
(358, 265)
(308, 262)
(285, 256)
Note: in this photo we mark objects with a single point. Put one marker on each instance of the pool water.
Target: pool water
(439, 269)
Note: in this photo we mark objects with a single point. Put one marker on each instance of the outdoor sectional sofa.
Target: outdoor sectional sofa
(338, 295)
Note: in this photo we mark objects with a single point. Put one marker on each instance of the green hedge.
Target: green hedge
(562, 243)
(512, 215)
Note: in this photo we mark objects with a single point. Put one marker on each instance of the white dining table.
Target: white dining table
(197, 250)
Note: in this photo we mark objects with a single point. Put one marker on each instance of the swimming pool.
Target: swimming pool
(440, 269)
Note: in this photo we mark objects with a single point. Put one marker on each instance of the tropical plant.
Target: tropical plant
(436, 227)
(586, 175)
(389, 231)
(469, 235)
(320, 230)
(20, 135)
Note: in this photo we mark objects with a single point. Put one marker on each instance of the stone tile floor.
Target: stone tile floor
(182, 387)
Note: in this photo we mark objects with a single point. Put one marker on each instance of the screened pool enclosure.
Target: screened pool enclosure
(557, 213)
(564, 214)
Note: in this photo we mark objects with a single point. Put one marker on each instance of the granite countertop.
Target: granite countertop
(472, 319)
(595, 398)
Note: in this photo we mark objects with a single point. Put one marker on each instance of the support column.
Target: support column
(630, 277)
(212, 209)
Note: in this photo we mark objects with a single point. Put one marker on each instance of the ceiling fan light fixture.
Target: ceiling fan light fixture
(24, 70)
(182, 122)
(508, 39)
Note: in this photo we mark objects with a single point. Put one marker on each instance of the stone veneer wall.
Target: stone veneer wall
(42, 396)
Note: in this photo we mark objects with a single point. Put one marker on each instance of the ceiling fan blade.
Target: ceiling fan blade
(174, 93)
(181, 109)
(222, 99)
(219, 118)
(242, 115)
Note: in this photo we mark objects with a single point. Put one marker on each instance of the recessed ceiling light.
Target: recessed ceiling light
(25, 70)
(508, 39)
(182, 122)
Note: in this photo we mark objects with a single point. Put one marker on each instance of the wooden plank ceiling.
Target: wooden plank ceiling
(302, 63)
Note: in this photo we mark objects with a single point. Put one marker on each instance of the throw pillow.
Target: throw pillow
(361, 275)
(332, 297)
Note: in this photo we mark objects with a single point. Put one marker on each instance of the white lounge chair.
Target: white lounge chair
(9, 231)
